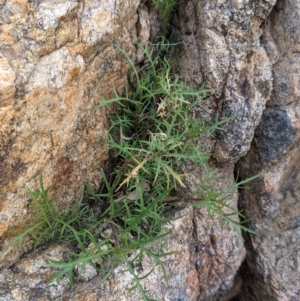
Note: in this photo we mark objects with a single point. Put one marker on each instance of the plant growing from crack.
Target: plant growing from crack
(166, 8)
(153, 135)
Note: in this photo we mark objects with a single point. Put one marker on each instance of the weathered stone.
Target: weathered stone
(56, 58)
(271, 270)
(221, 47)
(143, 29)
(29, 279)
(202, 268)
(223, 38)
(274, 134)
(7, 82)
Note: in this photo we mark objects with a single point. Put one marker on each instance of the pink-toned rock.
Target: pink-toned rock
(56, 59)
(271, 270)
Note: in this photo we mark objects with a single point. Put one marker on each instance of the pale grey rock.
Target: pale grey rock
(143, 32)
(143, 26)
(214, 58)
(86, 272)
(7, 81)
(29, 279)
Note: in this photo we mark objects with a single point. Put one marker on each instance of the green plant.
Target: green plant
(103, 236)
(153, 135)
(156, 132)
(166, 8)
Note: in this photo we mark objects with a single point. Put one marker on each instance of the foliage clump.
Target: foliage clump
(166, 8)
(152, 135)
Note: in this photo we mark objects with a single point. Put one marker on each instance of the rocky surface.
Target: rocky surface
(223, 38)
(56, 56)
(203, 267)
(272, 267)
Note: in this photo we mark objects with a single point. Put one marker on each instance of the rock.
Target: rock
(271, 271)
(224, 39)
(220, 46)
(202, 265)
(86, 272)
(7, 79)
(56, 58)
(29, 279)
(143, 29)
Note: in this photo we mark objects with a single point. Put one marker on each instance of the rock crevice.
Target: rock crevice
(57, 56)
